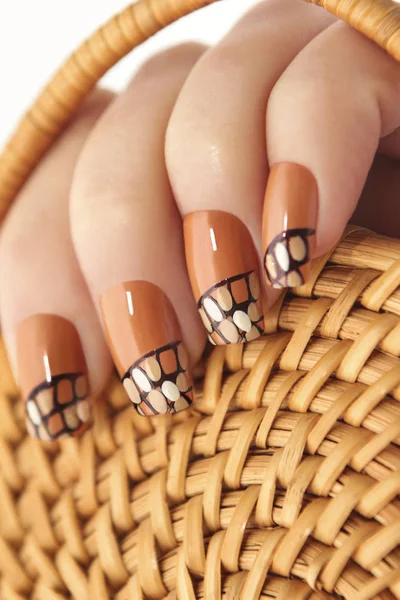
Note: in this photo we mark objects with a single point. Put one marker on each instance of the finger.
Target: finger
(128, 236)
(50, 327)
(324, 124)
(217, 161)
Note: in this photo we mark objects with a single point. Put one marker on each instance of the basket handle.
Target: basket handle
(377, 19)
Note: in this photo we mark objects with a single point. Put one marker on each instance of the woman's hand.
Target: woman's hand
(150, 208)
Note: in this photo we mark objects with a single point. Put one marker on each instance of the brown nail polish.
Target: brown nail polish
(224, 273)
(289, 222)
(146, 343)
(52, 374)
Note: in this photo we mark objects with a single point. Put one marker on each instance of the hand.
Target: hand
(92, 255)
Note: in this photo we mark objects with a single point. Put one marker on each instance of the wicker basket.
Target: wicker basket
(283, 483)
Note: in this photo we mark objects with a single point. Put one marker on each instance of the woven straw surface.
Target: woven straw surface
(283, 483)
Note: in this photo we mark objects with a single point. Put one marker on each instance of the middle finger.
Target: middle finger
(217, 161)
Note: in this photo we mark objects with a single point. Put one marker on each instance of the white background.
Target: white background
(36, 35)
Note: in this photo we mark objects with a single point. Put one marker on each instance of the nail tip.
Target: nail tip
(231, 310)
(287, 258)
(159, 382)
(298, 279)
(292, 281)
(53, 412)
(77, 433)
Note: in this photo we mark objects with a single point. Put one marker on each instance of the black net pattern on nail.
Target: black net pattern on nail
(231, 310)
(285, 256)
(58, 407)
(159, 382)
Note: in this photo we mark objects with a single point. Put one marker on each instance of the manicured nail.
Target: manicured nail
(53, 377)
(146, 344)
(224, 273)
(289, 222)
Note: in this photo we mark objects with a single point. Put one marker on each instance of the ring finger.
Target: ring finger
(128, 237)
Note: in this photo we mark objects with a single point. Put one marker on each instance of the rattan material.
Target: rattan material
(283, 483)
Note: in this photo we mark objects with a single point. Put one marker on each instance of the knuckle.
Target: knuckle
(195, 136)
(160, 65)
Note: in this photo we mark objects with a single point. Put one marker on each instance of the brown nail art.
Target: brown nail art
(223, 269)
(145, 340)
(52, 374)
(289, 222)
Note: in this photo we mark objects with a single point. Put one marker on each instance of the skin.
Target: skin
(198, 129)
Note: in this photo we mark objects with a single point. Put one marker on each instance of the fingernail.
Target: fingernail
(53, 377)
(146, 344)
(223, 269)
(289, 222)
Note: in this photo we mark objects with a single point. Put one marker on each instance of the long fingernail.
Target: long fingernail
(224, 273)
(146, 343)
(53, 377)
(289, 222)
